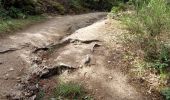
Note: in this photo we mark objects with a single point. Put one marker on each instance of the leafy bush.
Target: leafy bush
(17, 8)
(163, 61)
(76, 6)
(58, 7)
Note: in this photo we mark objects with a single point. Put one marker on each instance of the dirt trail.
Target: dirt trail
(44, 54)
(96, 58)
(16, 51)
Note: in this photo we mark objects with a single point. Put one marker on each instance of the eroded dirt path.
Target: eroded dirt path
(94, 57)
(16, 51)
(64, 49)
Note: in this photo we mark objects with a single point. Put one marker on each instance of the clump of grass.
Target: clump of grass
(11, 25)
(69, 90)
(40, 95)
(150, 19)
(166, 92)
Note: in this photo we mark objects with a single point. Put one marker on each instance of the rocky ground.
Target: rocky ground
(69, 48)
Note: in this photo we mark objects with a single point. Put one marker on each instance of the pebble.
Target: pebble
(6, 76)
(11, 69)
(110, 77)
(87, 59)
(109, 61)
(81, 66)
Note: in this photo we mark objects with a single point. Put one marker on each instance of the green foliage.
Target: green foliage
(20, 8)
(139, 4)
(58, 7)
(151, 21)
(155, 17)
(69, 90)
(10, 25)
(152, 18)
(76, 6)
(15, 13)
(17, 8)
(99, 4)
(119, 8)
(166, 93)
(40, 95)
(163, 61)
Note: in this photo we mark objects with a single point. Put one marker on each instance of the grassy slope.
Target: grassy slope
(11, 25)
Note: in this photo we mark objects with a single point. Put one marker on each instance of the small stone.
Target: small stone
(6, 75)
(18, 78)
(109, 61)
(5, 78)
(65, 65)
(81, 66)
(37, 86)
(32, 87)
(86, 97)
(86, 60)
(19, 81)
(27, 94)
(11, 69)
(110, 77)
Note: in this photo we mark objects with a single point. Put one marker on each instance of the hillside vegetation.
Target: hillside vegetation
(148, 22)
(20, 8)
(13, 10)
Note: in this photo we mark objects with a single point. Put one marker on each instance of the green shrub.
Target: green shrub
(40, 95)
(166, 93)
(163, 61)
(76, 6)
(104, 5)
(3, 14)
(120, 7)
(152, 18)
(58, 7)
(150, 22)
(69, 90)
(15, 13)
